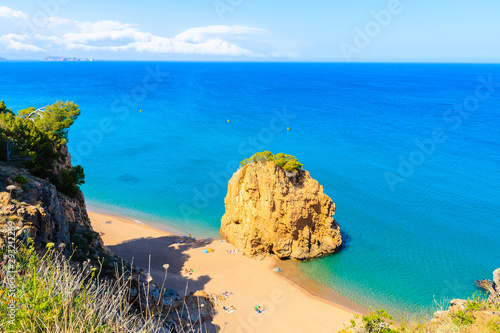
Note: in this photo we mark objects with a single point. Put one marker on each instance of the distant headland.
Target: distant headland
(3, 59)
(66, 59)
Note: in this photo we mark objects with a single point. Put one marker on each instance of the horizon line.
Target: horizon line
(256, 62)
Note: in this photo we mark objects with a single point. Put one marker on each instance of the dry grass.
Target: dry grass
(53, 295)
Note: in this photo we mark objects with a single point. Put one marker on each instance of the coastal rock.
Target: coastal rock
(457, 305)
(484, 284)
(495, 287)
(270, 212)
(49, 215)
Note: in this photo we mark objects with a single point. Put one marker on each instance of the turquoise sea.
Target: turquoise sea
(408, 152)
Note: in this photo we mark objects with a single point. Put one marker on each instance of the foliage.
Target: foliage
(68, 181)
(31, 140)
(378, 322)
(463, 318)
(3, 108)
(19, 178)
(475, 303)
(26, 145)
(463, 321)
(286, 162)
(55, 120)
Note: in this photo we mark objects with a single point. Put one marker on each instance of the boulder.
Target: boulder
(270, 212)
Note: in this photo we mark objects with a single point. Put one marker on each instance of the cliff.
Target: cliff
(271, 211)
(46, 215)
(495, 287)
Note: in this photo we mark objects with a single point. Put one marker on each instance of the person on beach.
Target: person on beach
(229, 309)
(259, 309)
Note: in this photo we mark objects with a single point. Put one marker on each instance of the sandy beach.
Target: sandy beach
(288, 306)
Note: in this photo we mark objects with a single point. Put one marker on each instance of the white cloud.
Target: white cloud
(58, 33)
(6, 12)
(200, 35)
(17, 43)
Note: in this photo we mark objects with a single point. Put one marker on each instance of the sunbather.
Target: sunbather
(229, 309)
(259, 309)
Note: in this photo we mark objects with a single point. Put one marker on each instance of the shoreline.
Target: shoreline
(159, 226)
(291, 274)
(252, 280)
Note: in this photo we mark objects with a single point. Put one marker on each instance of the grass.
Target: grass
(467, 320)
(54, 294)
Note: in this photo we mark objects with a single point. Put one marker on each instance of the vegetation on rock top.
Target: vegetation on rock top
(286, 162)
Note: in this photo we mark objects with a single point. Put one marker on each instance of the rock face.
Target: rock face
(64, 160)
(495, 287)
(45, 214)
(268, 211)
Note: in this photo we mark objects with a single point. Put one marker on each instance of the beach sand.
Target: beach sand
(289, 308)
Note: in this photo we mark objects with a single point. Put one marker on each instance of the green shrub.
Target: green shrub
(463, 318)
(69, 181)
(378, 322)
(20, 179)
(476, 302)
(286, 162)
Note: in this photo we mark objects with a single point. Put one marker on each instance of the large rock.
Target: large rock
(271, 211)
(44, 213)
(495, 287)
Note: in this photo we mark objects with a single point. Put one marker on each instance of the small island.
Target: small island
(66, 59)
(3, 59)
(275, 207)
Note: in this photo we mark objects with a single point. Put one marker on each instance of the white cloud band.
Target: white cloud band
(58, 33)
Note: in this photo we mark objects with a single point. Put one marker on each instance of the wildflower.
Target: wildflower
(94, 269)
(62, 246)
(50, 245)
(166, 266)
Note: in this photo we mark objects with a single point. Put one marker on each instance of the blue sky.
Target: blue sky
(253, 30)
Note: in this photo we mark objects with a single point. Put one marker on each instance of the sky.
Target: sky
(252, 30)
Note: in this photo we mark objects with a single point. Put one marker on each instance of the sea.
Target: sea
(409, 153)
